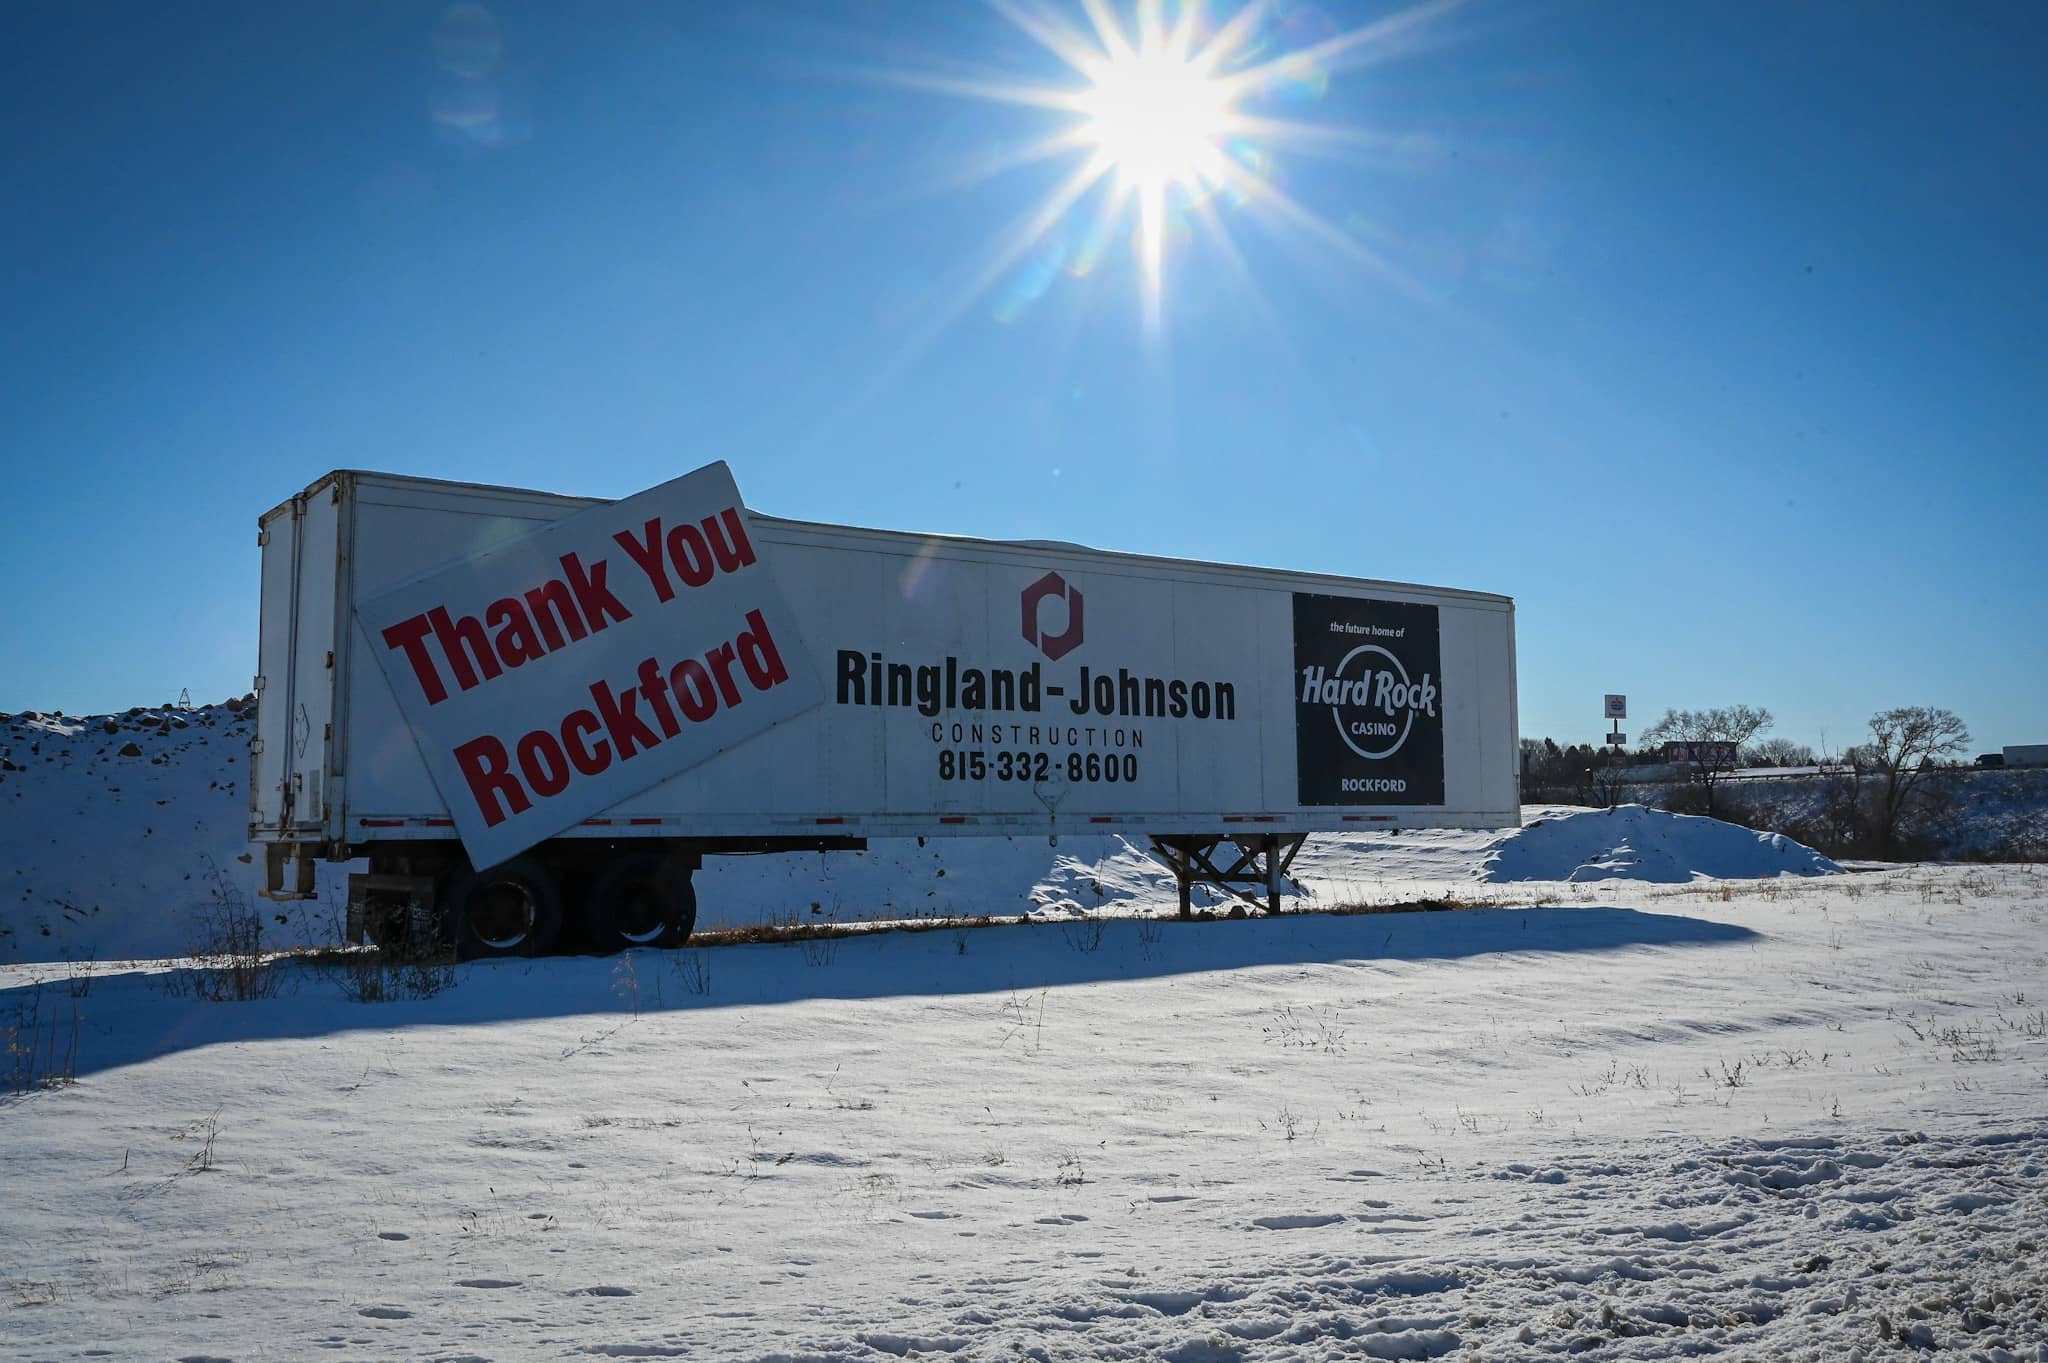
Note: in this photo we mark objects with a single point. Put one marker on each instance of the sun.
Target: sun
(1156, 117)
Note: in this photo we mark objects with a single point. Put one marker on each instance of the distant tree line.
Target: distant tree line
(1878, 798)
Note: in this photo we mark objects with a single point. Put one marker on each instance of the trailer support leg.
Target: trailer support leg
(1273, 873)
(1260, 863)
(278, 855)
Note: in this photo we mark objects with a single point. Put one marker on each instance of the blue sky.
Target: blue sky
(1714, 334)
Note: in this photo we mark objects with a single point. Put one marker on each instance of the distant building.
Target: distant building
(2026, 755)
(1700, 753)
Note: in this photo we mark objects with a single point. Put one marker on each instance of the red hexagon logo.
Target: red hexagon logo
(1054, 646)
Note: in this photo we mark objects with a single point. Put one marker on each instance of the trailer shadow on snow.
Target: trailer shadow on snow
(138, 1013)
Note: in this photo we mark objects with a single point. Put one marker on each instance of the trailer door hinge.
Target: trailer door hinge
(330, 658)
(262, 538)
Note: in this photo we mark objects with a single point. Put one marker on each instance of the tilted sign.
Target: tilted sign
(1368, 715)
(550, 678)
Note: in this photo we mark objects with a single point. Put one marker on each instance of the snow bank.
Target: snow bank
(1634, 842)
(118, 833)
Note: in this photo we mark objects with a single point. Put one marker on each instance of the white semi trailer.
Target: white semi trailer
(941, 686)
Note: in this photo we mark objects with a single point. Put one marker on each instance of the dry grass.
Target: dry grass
(1444, 905)
(793, 930)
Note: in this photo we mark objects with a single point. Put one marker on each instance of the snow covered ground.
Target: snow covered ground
(1787, 1118)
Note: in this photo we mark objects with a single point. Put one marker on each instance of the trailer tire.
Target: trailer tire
(643, 900)
(512, 909)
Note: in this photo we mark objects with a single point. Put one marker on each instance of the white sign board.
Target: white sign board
(1617, 707)
(550, 678)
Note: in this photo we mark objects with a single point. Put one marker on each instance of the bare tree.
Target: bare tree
(1905, 745)
(1839, 827)
(1778, 752)
(1712, 740)
(1610, 786)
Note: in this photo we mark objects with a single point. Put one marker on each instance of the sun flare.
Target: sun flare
(1174, 121)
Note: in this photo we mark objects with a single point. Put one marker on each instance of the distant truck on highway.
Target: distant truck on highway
(528, 741)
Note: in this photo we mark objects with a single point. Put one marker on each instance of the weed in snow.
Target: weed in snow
(693, 968)
(1291, 1125)
(1309, 1029)
(843, 1101)
(78, 972)
(30, 1044)
(862, 1197)
(25, 1293)
(626, 982)
(1083, 934)
(386, 975)
(206, 1131)
(228, 961)
(1024, 1019)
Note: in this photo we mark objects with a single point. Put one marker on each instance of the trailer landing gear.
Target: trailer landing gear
(1261, 861)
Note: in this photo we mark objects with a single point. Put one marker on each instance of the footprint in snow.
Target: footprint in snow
(1168, 1303)
(607, 1292)
(904, 1345)
(385, 1313)
(486, 1282)
(392, 1235)
(1302, 1221)
(1532, 1174)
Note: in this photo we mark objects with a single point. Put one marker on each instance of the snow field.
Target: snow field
(1797, 1118)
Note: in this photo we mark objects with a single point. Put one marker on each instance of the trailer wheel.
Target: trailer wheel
(513, 909)
(642, 900)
